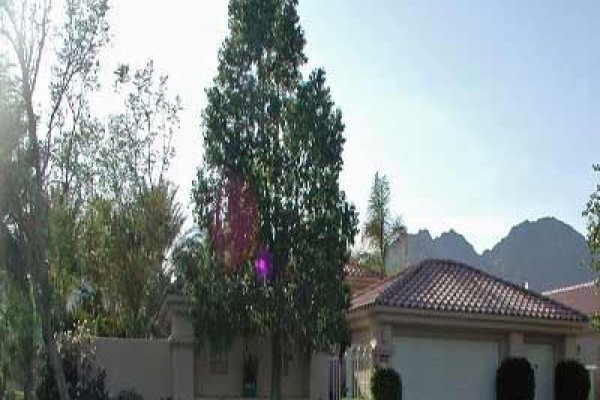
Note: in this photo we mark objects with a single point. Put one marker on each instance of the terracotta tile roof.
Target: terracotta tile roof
(353, 270)
(444, 285)
(584, 297)
(360, 279)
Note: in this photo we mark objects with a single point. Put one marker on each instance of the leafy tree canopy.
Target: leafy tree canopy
(76, 189)
(273, 146)
(113, 225)
(381, 227)
(592, 212)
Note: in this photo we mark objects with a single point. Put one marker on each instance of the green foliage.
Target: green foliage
(515, 380)
(61, 169)
(282, 135)
(64, 250)
(19, 325)
(131, 218)
(592, 213)
(138, 149)
(25, 28)
(386, 384)
(19, 333)
(84, 380)
(129, 395)
(381, 228)
(571, 381)
(218, 298)
(369, 260)
(113, 216)
(11, 123)
(130, 243)
(14, 395)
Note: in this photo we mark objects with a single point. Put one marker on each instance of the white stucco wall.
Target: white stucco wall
(139, 364)
(159, 369)
(318, 380)
(588, 348)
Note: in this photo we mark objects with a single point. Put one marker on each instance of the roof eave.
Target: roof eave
(398, 315)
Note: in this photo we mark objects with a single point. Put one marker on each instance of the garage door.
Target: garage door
(446, 369)
(541, 357)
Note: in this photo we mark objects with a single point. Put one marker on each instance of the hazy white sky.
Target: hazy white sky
(481, 115)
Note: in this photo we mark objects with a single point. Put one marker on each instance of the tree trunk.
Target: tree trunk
(53, 357)
(42, 288)
(29, 349)
(276, 359)
(405, 245)
(35, 223)
(37, 248)
(382, 240)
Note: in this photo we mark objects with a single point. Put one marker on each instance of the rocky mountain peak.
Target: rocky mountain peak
(545, 253)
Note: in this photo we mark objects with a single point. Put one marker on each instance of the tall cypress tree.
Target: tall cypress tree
(269, 183)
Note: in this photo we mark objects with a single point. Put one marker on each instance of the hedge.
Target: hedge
(386, 385)
(515, 380)
(571, 381)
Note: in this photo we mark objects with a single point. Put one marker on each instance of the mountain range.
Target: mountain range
(543, 254)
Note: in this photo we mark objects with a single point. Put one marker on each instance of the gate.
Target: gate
(350, 375)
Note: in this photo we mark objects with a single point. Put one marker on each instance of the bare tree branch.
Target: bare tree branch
(44, 27)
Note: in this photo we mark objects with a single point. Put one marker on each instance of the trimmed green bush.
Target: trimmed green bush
(515, 380)
(571, 381)
(386, 385)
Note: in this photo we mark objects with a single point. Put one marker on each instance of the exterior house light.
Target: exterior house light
(373, 343)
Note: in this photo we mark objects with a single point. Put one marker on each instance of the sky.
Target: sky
(481, 114)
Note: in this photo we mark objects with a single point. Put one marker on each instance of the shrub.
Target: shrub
(571, 381)
(129, 395)
(10, 395)
(84, 380)
(386, 385)
(515, 380)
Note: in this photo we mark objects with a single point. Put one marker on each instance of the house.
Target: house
(445, 326)
(584, 297)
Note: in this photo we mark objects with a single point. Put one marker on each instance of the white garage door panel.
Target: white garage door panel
(541, 357)
(446, 369)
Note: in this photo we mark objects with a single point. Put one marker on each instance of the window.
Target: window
(218, 362)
